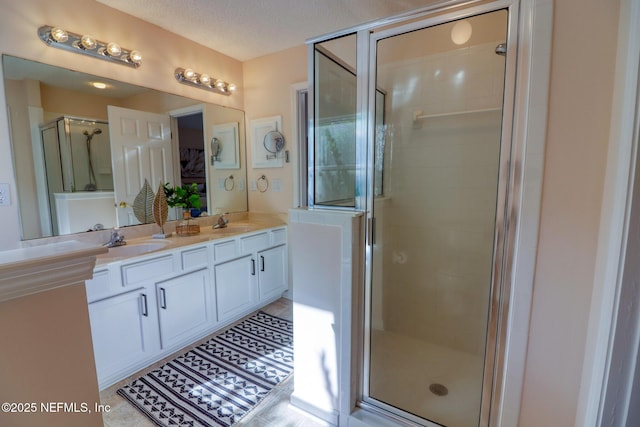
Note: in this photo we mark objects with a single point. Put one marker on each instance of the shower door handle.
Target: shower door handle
(371, 224)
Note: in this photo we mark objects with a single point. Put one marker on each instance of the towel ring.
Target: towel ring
(262, 183)
(229, 183)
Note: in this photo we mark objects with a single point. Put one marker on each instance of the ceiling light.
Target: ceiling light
(461, 32)
(113, 49)
(59, 35)
(203, 81)
(99, 85)
(189, 74)
(89, 45)
(88, 42)
(135, 57)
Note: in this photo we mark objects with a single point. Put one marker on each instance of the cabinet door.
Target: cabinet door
(236, 286)
(272, 275)
(123, 331)
(183, 307)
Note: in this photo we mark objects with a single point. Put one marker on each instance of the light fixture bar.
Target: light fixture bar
(203, 81)
(88, 45)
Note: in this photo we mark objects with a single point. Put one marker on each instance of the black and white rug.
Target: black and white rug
(218, 382)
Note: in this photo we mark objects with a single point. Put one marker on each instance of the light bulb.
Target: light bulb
(88, 42)
(59, 35)
(232, 87)
(220, 84)
(461, 32)
(135, 57)
(99, 85)
(205, 79)
(113, 49)
(189, 74)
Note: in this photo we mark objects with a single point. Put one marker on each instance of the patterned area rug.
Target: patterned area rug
(218, 382)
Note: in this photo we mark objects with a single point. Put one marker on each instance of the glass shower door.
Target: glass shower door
(433, 261)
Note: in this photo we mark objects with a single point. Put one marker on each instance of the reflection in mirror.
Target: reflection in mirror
(335, 122)
(81, 153)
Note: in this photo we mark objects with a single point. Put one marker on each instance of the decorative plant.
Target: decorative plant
(143, 204)
(160, 209)
(186, 196)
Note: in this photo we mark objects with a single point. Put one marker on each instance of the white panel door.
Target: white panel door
(140, 149)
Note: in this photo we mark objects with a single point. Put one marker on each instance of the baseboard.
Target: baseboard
(331, 417)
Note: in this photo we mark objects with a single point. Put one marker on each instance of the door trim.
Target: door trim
(613, 235)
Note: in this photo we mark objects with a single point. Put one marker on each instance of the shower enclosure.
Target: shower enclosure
(411, 123)
(77, 159)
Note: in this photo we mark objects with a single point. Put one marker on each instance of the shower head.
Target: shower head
(96, 131)
(501, 49)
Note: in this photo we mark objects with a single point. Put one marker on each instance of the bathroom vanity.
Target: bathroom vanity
(151, 297)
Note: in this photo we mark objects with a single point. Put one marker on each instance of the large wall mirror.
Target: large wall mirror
(83, 146)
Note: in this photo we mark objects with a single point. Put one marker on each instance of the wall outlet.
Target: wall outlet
(5, 196)
(253, 185)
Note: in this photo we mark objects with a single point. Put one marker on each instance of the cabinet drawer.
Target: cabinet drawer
(254, 243)
(100, 286)
(279, 236)
(145, 270)
(225, 250)
(194, 258)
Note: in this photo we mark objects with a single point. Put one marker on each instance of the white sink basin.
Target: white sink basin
(133, 249)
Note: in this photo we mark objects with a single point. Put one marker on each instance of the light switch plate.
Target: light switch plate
(277, 185)
(5, 197)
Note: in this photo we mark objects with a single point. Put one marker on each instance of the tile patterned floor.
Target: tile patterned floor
(273, 411)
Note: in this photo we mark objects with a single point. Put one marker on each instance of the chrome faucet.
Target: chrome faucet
(222, 222)
(116, 239)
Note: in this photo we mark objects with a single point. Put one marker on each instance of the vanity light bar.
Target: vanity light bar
(203, 81)
(88, 45)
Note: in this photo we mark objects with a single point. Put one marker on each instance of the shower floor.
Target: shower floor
(403, 368)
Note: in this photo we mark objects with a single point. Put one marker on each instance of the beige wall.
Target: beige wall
(268, 81)
(47, 356)
(582, 66)
(162, 53)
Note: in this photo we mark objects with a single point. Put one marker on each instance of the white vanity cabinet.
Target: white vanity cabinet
(144, 308)
(272, 272)
(124, 332)
(236, 290)
(183, 307)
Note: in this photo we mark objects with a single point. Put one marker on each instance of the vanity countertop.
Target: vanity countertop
(30, 270)
(26, 257)
(207, 233)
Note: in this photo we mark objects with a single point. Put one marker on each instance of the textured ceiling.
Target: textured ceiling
(246, 29)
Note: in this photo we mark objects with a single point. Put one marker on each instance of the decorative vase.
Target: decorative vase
(187, 226)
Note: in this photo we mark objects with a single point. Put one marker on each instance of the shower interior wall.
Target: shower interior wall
(440, 194)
